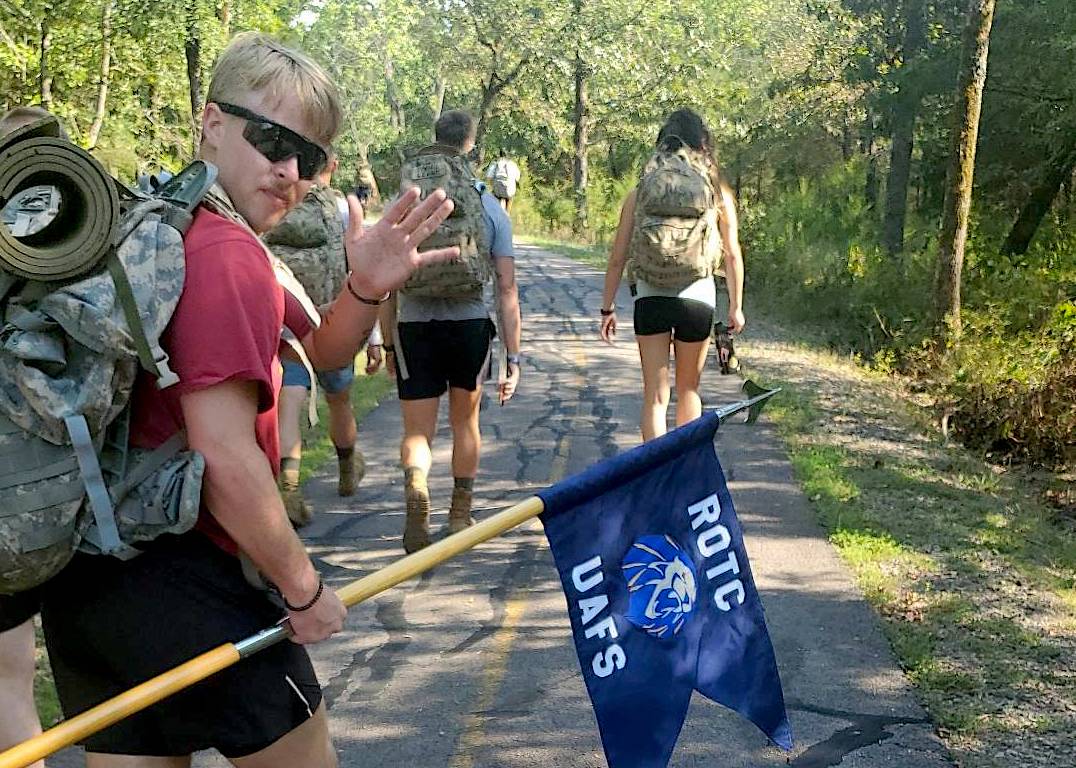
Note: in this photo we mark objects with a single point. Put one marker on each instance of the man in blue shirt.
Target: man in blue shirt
(443, 345)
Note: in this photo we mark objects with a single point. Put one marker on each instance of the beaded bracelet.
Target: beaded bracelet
(371, 302)
(309, 605)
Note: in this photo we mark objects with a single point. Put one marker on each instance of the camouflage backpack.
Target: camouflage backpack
(440, 166)
(674, 239)
(70, 350)
(310, 240)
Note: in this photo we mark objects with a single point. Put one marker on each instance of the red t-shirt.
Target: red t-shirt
(226, 327)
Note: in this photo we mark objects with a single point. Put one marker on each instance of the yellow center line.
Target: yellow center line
(473, 733)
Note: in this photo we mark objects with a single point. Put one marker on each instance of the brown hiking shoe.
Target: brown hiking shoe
(352, 471)
(416, 533)
(299, 512)
(459, 514)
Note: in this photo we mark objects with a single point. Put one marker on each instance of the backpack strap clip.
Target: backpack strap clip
(186, 189)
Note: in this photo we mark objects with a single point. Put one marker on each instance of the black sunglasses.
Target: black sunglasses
(278, 143)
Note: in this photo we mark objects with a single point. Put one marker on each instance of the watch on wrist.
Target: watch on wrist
(513, 359)
(607, 312)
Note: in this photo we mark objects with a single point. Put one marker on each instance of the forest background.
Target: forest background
(839, 124)
(847, 130)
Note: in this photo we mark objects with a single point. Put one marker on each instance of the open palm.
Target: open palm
(384, 256)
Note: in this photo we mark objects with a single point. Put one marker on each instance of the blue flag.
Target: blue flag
(660, 595)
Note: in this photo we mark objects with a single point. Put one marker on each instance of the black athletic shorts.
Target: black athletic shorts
(443, 353)
(110, 625)
(687, 319)
(18, 609)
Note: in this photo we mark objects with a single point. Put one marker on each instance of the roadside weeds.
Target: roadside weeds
(973, 576)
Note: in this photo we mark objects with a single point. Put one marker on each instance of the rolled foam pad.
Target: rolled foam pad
(76, 241)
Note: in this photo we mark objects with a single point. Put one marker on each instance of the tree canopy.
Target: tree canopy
(836, 123)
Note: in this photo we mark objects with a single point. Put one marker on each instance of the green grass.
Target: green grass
(592, 255)
(48, 704)
(366, 392)
(947, 554)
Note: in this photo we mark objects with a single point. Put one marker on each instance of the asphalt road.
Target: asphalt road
(472, 665)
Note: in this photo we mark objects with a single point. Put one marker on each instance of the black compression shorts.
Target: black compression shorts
(110, 625)
(687, 319)
(18, 609)
(442, 354)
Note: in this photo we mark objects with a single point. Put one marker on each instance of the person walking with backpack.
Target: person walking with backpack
(310, 241)
(17, 664)
(503, 175)
(677, 227)
(269, 117)
(442, 329)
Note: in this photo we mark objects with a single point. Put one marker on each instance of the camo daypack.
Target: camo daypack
(674, 240)
(440, 166)
(69, 355)
(310, 240)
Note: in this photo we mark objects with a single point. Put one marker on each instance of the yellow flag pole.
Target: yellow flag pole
(199, 668)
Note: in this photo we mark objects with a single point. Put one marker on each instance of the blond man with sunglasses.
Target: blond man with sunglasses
(270, 115)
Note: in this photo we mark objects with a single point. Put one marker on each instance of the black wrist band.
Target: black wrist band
(309, 605)
(607, 312)
(371, 302)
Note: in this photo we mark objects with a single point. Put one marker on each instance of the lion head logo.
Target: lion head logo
(661, 585)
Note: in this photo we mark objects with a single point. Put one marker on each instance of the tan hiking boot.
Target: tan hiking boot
(416, 533)
(459, 514)
(352, 471)
(299, 511)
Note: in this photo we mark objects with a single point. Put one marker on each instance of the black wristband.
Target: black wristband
(371, 302)
(309, 605)
(607, 312)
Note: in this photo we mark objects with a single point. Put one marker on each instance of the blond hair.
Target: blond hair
(254, 62)
(20, 117)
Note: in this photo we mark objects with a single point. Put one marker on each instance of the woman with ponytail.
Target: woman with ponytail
(678, 229)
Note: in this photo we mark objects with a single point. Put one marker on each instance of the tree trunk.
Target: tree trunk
(491, 91)
(192, 48)
(1040, 201)
(582, 138)
(976, 48)
(905, 109)
(485, 114)
(44, 78)
(397, 118)
(847, 142)
(440, 90)
(870, 184)
(106, 65)
(225, 17)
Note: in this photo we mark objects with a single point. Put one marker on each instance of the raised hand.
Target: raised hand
(384, 256)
